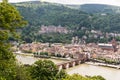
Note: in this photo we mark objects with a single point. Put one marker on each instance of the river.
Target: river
(91, 70)
(23, 59)
(82, 69)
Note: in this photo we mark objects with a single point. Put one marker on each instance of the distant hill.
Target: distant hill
(74, 17)
(43, 13)
(96, 8)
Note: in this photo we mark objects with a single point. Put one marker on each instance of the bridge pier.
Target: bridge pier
(77, 62)
(66, 66)
(72, 64)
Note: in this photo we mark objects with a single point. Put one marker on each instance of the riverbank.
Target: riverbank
(103, 64)
(23, 54)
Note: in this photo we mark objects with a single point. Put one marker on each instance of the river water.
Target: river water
(82, 69)
(91, 70)
(30, 59)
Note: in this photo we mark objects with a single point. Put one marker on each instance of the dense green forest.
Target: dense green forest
(99, 8)
(92, 17)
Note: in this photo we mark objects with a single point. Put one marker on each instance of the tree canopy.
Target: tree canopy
(10, 21)
(45, 70)
(79, 77)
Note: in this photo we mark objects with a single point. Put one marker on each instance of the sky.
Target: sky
(111, 2)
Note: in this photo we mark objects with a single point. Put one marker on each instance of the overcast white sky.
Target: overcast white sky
(111, 2)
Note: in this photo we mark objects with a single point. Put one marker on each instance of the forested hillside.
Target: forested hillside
(100, 8)
(51, 14)
(95, 8)
(103, 18)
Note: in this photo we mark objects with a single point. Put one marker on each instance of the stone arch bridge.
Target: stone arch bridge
(71, 63)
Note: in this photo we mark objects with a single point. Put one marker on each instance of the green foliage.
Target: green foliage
(79, 77)
(22, 73)
(99, 8)
(41, 53)
(106, 23)
(43, 70)
(117, 38)
(54, 38)
(46, 70)
(97, 78)
(10, 20)
(109, 61)
(75, 77)
(50, 14)
(7, 63)
(61, 74)
(44, 53)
